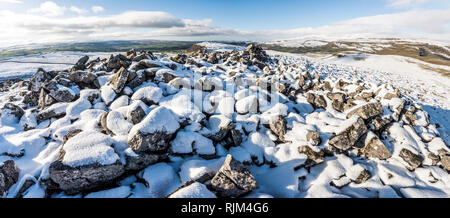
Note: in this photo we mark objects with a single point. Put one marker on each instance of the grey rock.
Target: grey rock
(317, 157)
(313, 137)
(412, 159)
(82, 77)
(341, 84)
(153, 142)
(338, 100)
(104, 124)
(236, 135)
(317, 101)
(61, 93)
(13, 109)
(45, 100)
(279, 127)
(366, 96)
(142, 161)
(81, 63)
(137, 115)
(31, 98)
(375, 148)
(367, 111)
(119, 80)
(233, 179)
(71, 134)
(179, 58)
(213, 58)
(379, 123)
(339, 106)
(38, 79)
(140, 58)
(196, 49)
(410, 115)
(337, 96)
(327, 86)
(147, 64)
(222, 133)
(350, 136)
(434, 158)
(136, 80)
(445, 162)
(49, 113)
(83, 60)
(167, 77)
(9, 174)
(85, 178)
(26, 185)
(390, 96)
(117, 62)
(363, 177)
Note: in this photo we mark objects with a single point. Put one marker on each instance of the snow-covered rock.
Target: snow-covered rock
(87, 161)
(218, 122)
(195, 190)
(149, 95)
(155, 131)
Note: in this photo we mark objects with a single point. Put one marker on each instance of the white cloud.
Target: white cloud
(97, 9)
(404, 3)
(133, 25)
(78, 10)
(49, 8)
(11, 1)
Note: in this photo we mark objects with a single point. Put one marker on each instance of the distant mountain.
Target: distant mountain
(101, 46)
(427, 51)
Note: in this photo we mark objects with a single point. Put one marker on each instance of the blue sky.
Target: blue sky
(223, 19)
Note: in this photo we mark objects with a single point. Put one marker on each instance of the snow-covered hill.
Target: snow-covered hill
(223, 121)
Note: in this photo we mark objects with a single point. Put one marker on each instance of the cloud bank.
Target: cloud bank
(46, 24)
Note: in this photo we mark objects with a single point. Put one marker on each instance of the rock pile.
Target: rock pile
(225, 114)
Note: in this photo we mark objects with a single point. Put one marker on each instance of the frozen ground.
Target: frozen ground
(25, 66)
(165, 126)
(426, 87)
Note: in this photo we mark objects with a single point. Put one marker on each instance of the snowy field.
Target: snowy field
(26, 66)
(429, 88)
(206, 125)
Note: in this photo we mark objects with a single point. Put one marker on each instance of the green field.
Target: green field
(110, 46)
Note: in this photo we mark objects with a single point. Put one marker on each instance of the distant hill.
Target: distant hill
(427, 51)
(102, 46)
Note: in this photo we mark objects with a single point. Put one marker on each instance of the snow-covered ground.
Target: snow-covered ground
(427, 87)
(26, 66)
(363, 43)
(198, 113)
